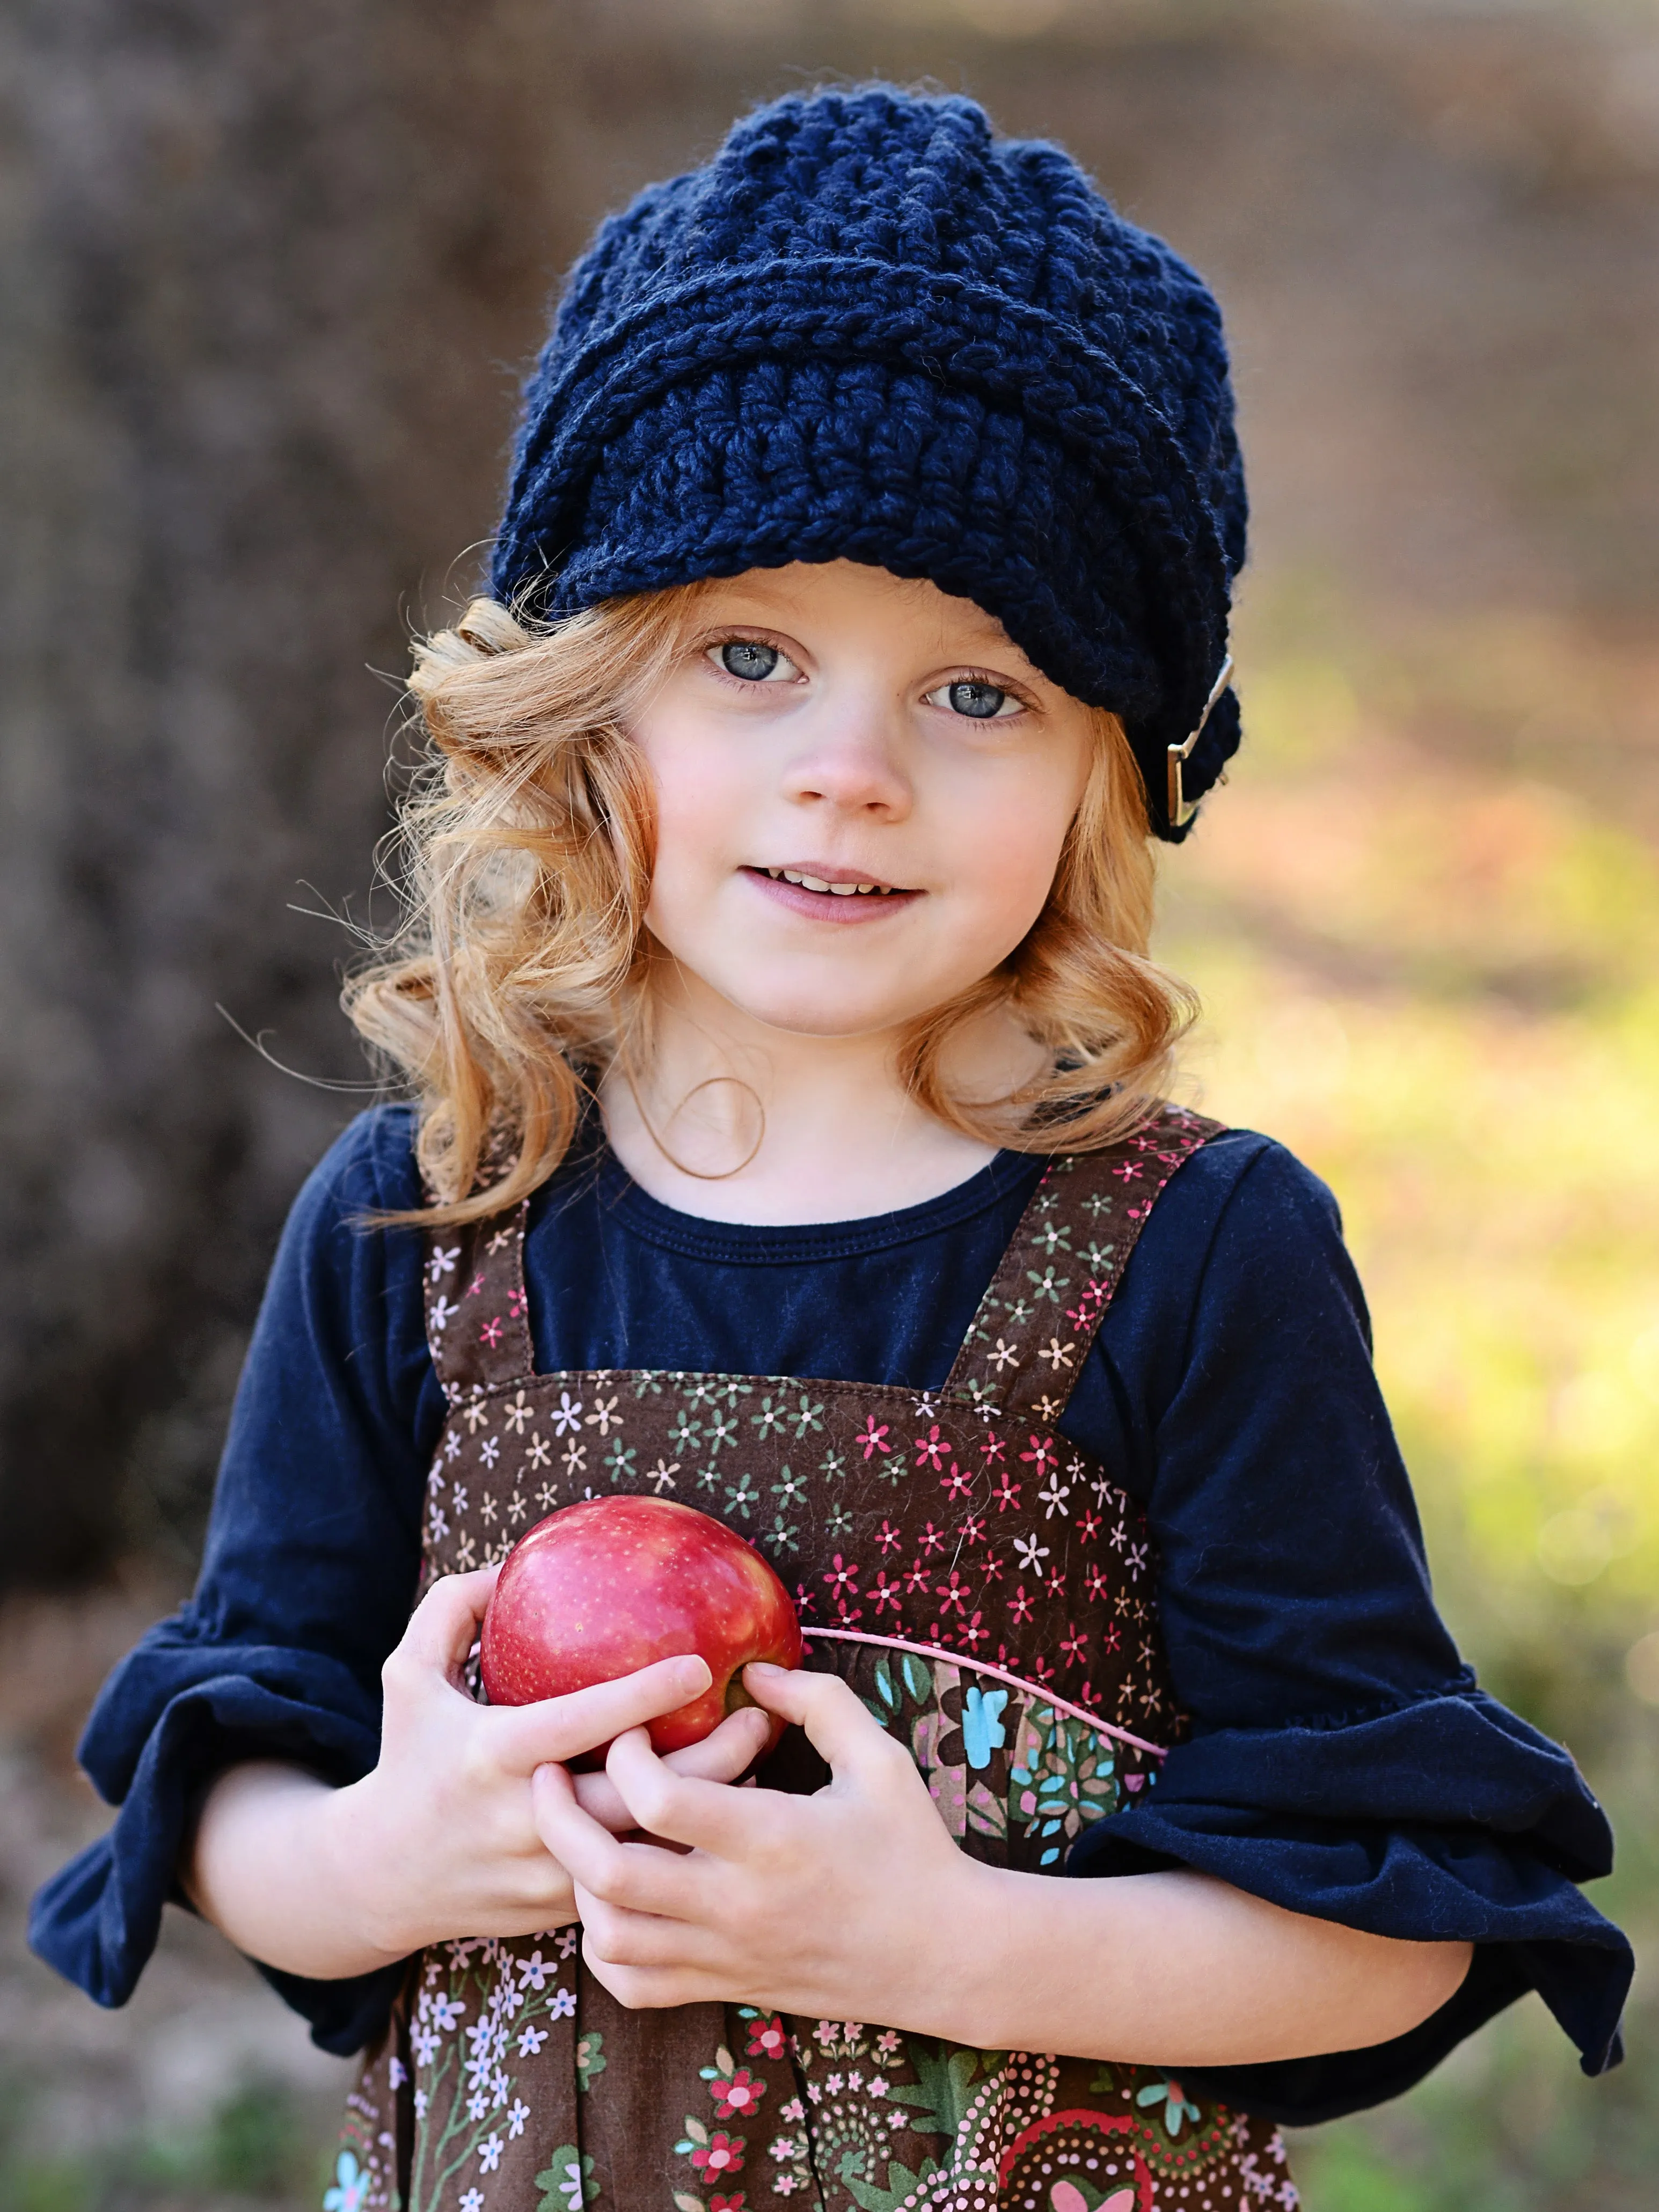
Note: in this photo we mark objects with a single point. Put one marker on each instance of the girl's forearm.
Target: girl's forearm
(270, 1866)
(1176, 1969)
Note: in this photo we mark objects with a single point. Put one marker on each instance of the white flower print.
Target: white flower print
(489, 2152)
(563, 2006)
(395, 2073)
(531, 2040)
(566, 1942)
(1136, 1559)
(1029, 1553)
(452, 1446)
(460, 1499)
(517, 2117)
(567, 1415)
(533, 1971)
(490, 1450)
(443, 1260)
(472, 2200)
(444, 1312)
(1054, 1497)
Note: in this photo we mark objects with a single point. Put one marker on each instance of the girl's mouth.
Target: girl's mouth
(831, 894)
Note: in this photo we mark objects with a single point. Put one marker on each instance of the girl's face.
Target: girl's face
(862, 791)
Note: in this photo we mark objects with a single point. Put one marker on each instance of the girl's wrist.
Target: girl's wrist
(355, 1867)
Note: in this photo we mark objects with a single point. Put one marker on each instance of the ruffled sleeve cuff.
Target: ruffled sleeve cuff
(1446, 1820)
(97, 1921)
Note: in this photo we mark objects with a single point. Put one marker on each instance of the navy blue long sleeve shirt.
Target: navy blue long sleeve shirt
(1342, 1760)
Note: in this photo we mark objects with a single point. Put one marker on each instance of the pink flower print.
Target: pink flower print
(973, 1529)
(766, 2040)
(1113, 1639)
(993, 1448)
(956, 1484)
(932, 1540)
(492, 1332)
(739, 2097)
(991, 1567)
(1088, 1695)
(973, 1632)
(806, 1599)
(475, 1286)
(872, 1436)
(1042, 1671)
(1094, 1585)
(1041, 1454)
(842, 1580)
(885, 1593)
(890, 1538)
(933, 1448)
(1127, 1170)
(1020, 1607)
(719, 2203)
(722, 2155)
(515, 1304)
(1007, 1496)
(915, 1577)
(952, 1594)
(1075, 1645)
(1089, 1526)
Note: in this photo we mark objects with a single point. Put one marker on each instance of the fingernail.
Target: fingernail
(763, 1667)
(693, 1674)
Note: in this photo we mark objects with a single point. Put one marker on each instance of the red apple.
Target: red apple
(606, 1587)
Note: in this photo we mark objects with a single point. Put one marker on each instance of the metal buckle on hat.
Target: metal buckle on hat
(1182, 809)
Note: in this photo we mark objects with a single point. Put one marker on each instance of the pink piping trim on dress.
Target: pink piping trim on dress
(998, 1673)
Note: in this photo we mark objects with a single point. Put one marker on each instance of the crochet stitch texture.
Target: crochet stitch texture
(870, 330)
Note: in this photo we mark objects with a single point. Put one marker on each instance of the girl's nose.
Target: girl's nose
(853, 763)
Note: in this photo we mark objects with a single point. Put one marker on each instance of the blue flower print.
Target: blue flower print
(351, 2186)
(982, 1731)
(1168, 2092)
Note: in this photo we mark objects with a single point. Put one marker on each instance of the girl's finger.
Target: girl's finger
(528, 1736)
(837, 1724)
(639, 1876)
(682, 1807)
(723, 1757)
(444, 1626)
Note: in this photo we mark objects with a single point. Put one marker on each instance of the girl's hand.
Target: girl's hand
(441, 1839)
(854, 1902)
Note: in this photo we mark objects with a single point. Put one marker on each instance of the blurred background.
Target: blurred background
(270, 277)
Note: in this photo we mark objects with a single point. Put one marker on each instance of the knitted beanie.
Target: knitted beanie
(869, 330)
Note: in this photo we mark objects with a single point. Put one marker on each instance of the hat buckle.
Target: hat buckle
(1180, 808)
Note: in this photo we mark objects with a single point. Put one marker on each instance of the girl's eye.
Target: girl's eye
(750, 660)
(980, 701)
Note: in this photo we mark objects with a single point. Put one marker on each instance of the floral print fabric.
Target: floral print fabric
(987, 1591)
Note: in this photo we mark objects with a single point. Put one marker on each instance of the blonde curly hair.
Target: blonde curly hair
(520, 964)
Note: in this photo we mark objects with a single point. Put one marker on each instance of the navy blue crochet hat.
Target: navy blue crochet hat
(869, 330)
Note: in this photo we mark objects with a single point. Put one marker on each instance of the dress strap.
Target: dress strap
(478, 1316)
(1026, 1346)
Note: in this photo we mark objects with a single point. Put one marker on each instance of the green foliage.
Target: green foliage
(1432, 974)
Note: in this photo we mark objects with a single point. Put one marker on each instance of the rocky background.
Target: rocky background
(268, 281)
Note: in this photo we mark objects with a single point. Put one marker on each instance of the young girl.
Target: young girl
(789, 1143)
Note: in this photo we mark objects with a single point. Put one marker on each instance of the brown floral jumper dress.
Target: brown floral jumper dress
(987, 1591)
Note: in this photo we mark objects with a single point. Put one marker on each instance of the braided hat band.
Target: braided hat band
(869, 330)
